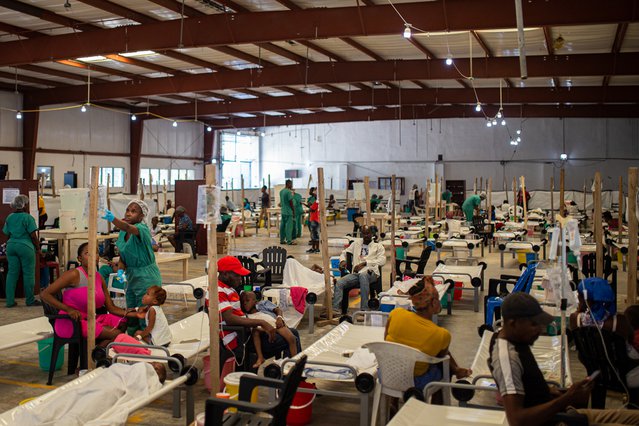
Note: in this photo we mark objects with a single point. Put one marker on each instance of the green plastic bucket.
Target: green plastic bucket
(45, 348)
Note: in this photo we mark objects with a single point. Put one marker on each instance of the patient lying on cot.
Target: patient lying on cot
(270, 313)
(96, 401)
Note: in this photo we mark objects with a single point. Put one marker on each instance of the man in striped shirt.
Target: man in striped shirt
(528, 400)
(229, 284)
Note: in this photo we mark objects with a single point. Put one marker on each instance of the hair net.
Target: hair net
(142, 205)
(599, 296)
(19, 202)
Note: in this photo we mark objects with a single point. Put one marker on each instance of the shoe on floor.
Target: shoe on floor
(292, 243)
(13, 305)
(310, 251)
(36, 303)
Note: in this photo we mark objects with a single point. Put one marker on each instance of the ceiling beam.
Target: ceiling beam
(616, 45)
(46, 15)
(383, 97)
(309, 24)
(415, 113)
(349, 72)
(33, 80)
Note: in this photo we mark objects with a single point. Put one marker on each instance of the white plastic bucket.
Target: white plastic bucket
(67, 220)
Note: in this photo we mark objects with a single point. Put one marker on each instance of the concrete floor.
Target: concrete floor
(21, 378)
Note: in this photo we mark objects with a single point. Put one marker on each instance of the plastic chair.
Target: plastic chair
(274, 258)
(119, 288)
(230, 232)
(492, 303)
(77, 343)
(262, 277)
(419, 262)
(396, 363)
(594, 353)
(278, 410)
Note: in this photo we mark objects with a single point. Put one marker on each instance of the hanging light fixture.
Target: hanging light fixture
(449, 59)
(133, 117)
(209, 129)
(84, 108)
(19, 115)
(175, 124)
(407, 31)
(478, 107)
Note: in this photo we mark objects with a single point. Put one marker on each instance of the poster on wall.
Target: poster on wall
(8, 194)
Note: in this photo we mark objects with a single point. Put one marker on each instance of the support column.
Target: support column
(29, 143)
(209, 152)
(137, 129)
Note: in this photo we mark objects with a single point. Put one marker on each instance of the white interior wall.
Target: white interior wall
(469, 150)
(11, 132)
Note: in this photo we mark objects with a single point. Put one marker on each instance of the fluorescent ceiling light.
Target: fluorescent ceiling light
(96, 58)
(138, 54)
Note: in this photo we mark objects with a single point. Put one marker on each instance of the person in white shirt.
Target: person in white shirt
(157, 331)
(368, 257)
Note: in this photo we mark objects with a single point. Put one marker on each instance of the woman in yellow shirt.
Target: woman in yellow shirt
(417, 330)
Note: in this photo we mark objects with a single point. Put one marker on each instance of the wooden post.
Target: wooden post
(392, 244)
(599, 242)
(481, 187)
(214, 318)
(489, 199)
(328, 300)
(93, 250)
(268, 214)
(164, 196)
(620, 214)
(632, 236)
(523, 198)
(52, 182)
(552, 199)
(242, 205)
(367, 191)
(585, 211)
(562, 204)
(436, 204)
(232, 192)
(427, 218)
(141, 189)
(108, 185)
(346, 186)
(515, 198)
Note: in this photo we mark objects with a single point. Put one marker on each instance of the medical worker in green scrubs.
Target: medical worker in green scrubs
(286, 204)
(136, 255)
(297, 214)
(22, 245)
(471, 204)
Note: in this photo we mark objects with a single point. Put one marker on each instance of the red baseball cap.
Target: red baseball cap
(231, 264)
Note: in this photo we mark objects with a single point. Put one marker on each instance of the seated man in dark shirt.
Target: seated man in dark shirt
(528, 400)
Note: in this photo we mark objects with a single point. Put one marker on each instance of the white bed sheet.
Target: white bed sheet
(24, 332)
(449, 271)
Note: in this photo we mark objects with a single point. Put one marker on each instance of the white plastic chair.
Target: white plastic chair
(120, 289)
(230, 232)
(396, 363)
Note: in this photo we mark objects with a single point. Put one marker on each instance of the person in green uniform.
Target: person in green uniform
(286, 204)
(312, 197)
(447, 196)
(471, 204)
(374, 202)
(136, 255)
(22, 245)
(298, 214)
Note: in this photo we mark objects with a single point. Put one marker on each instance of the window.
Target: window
(385, 183)
(116, 174)
(46, 172)
(240, 157)
(169, 176)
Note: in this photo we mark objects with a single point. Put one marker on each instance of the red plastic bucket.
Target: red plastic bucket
(301, 409)
(457, 295)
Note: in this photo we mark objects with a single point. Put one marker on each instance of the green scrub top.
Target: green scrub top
(471, 203)
(297, 203)
(18, 227)
(225, 217)
(286, 196)
(137, 254)
(447, 196)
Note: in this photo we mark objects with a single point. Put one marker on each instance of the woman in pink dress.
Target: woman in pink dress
(73, 285)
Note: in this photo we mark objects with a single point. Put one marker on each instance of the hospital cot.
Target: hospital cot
(471, 277)
(25, 332)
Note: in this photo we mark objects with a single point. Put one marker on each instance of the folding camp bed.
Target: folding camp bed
(515, 246)
(25, 332)
(51, 406)
(338, 357)
(456, 244)
(192, 290)
(435, 415)
(472, 278)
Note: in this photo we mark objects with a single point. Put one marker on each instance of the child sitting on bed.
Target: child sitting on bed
(267, 311)
(157, 331)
